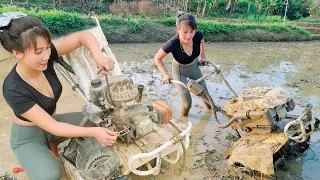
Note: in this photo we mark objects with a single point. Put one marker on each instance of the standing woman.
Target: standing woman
(32, 90)
(185, 46)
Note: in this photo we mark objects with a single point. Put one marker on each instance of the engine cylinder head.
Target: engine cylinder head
(122, 90)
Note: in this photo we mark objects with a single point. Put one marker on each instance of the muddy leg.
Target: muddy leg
(180, 73)
(196, 74)
(185, 97)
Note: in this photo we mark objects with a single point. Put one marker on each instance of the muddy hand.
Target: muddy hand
(105, 65)
(166, 79)
(203, 63)
(105, 136)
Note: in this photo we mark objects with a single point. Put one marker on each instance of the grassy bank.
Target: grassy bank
(145, 30)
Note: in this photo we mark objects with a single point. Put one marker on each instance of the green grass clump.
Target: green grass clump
(58, 22)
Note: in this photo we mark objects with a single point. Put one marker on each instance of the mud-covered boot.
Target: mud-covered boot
(206, 105)
(184, 112)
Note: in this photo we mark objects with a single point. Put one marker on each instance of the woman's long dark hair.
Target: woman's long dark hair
(22, 33)
(187, 19)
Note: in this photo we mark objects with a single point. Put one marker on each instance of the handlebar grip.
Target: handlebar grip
(169, 81)
(203, 63)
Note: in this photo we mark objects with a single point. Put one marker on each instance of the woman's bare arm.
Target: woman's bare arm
(42, 119)
(69, 43)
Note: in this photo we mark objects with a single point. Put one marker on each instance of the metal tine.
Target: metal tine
(123, 132)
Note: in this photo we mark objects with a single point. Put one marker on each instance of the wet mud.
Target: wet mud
(293, 66)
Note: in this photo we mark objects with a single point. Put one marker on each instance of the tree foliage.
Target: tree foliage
(203, 8)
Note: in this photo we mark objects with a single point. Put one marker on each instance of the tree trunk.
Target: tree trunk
(234, 5)
(182, 5)
(198, 8)
(258, 7)
(59, 4)
(214, 3)
(228, 5)
(204, 8)
(186, 5)
(285, 14)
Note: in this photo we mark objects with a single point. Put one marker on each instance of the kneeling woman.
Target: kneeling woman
(32, 90)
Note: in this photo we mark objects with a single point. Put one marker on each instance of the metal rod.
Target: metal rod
(228, 86)
(217, 71)
(285, 14)
(74, 86)
(108, 87)
(108, 90)
(100, 70)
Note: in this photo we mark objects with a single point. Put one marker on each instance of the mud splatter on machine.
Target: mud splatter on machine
(262, 114)
(147, 132)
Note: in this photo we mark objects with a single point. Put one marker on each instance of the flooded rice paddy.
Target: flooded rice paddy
(293, 66)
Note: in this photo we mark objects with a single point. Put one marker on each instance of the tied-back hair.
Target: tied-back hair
(22, 33)
(186, 19)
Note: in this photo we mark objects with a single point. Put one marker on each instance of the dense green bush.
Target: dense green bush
(221, 3)
(99, 7)
(138, 29)
(297, 9)
(256, 18)
(213, 28)
(8, 8)
(58, 22)
(61, 23)
(151, 8)
(309, 19)
(170, 21)
(242, 6)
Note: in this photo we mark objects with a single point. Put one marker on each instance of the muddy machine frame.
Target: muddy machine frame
(261, 113)
(147, 132)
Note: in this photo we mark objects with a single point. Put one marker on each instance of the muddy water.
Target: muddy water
(292, 66)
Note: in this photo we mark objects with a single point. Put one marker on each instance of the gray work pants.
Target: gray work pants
(182, 72)
(29, 145)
